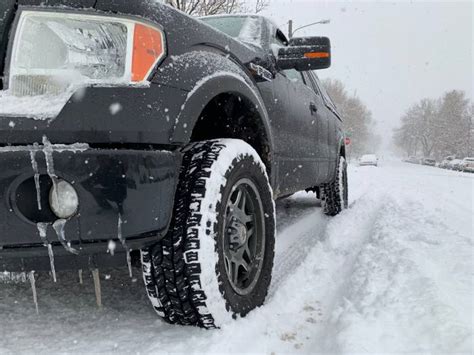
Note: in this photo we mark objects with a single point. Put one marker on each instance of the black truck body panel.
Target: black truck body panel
(90, 120)
(130, 171)
(129, 190)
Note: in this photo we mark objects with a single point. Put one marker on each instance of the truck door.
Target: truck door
(334, 122)
(297, 135)
(327, 132)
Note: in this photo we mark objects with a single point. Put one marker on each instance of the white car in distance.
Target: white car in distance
(368, 160)
(467, 165)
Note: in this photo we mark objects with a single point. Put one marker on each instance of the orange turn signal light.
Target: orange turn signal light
(315, 55)
(148, 49)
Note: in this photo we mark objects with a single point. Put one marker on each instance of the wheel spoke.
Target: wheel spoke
(238, 198)
(247, 251)
(248, 218)
(229, 213)
(245, 265)
(235, 273)
(243, 202)
(250, 232)
(228, 264)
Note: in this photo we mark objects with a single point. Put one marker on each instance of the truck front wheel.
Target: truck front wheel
(216, 261)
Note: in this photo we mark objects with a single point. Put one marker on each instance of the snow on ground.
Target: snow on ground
(393, 273)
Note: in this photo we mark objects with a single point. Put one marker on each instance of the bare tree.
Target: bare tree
(215, 7)
(261, 5)
(358, 122)
(437, 127)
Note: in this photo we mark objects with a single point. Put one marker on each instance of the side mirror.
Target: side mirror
(305, 53)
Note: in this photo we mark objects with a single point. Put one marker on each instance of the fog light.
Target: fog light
(63, 199)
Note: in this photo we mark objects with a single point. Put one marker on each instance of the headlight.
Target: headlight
(57, 52)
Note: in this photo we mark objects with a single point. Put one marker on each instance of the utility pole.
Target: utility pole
(290, 26)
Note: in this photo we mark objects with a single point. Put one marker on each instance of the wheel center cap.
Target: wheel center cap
(242, 232)
(238, 234)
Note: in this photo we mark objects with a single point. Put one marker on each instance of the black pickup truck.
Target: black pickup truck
(131, 131)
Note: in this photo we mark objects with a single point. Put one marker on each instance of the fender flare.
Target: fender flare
(209, 87)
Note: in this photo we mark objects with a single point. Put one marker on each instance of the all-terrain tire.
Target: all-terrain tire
(185, 273)
(334, 195)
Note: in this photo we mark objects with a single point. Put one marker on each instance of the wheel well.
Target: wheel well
(231, 115)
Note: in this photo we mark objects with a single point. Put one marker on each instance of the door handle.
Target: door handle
(313, 108)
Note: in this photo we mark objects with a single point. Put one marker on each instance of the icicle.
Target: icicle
(129, 264)
(80, 277)
(48, 154)
(59, 226)
(42, 229)
(31, 276)
(124, 244)
(51, 262)
(98, 292)
(48, 150)
(34, 165)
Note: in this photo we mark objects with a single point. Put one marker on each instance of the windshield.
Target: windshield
(244, 28)
(229, 25)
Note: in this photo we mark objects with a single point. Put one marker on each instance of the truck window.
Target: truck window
(322, 90)
(312, 83)
(294, 75)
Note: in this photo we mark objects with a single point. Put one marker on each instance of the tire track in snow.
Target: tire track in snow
(295, 242)
(306, 290)
(343, 250)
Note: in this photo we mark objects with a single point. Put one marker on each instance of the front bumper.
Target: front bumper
(126, 194)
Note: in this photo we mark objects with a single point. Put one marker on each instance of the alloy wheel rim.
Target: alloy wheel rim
(244, 237)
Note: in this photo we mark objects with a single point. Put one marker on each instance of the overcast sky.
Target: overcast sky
(391, 54)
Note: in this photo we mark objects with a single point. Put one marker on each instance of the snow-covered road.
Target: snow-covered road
(393, 273)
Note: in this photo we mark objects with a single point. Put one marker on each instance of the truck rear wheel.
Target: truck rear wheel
(335, 194)
(216, 261)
